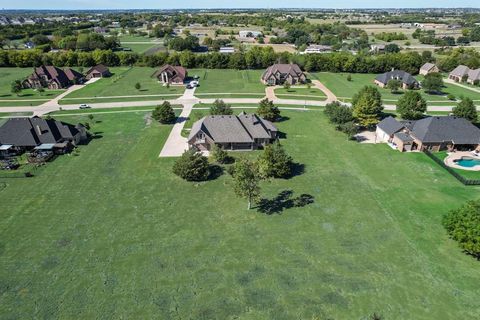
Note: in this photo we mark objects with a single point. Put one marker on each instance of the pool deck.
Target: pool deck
(450, 160)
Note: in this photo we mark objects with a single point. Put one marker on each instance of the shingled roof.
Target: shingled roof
(401, 75)
(389, 125)
(460, 71)
(284, 69)
(427, 66)
(446, 128)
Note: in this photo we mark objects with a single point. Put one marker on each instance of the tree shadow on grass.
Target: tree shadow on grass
(282, 119)
(297, 169)
(284, 200)
(215, 172)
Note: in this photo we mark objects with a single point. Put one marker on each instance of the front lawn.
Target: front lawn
(300, 93)
(229, 83)
(344, 89)
(113, 233)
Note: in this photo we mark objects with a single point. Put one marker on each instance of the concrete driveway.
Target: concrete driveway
(176, 144)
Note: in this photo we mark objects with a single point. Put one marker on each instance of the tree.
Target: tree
(164, 113)
(367, 106)
(338, 113)
(392, 48)
(411, 105)
(16, 87)
(466, 109)
(349, 128)
(394, 85)
(287, 85)
(138, 85)
(268, 111)
(40, 91)
(219, 155)
(463, 226)
(192, 166)
(246, 181)
(349, 77)
(274, 162)
(220, 108)
(432, 83)
(90, 116)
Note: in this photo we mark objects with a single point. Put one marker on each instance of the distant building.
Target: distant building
(52, 77)
(171, 74)
(250, 34)
(227, 50)
(428, 68)
(317, 48)
(407, 80)
(231, 132)
(278, 74)
(98, 71)
(377, 48)
(29, 45)
(465, 74)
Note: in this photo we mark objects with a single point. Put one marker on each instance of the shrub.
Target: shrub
(220, 108)
(219, 155)
(274, 162)
(349, 77)
(164, 113)
(268, 111)
(466, 109)
(338, 113)
(463, 226)
(192, 166)
(451, 97)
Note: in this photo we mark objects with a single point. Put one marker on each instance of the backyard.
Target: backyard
(344, 89)
(121, 87)
(112, 233)
(26, 97)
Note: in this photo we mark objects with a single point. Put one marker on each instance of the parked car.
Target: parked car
(194, 83)
(84, 106)
(189, 86)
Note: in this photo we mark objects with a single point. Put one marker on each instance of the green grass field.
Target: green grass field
(344, 90)
(237, 83)
(121, 85)
(299, 93)
(112, 233)
(27, 97)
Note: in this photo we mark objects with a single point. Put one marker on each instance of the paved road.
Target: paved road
(330, 96)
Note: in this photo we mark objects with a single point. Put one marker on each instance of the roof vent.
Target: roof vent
(39, 130)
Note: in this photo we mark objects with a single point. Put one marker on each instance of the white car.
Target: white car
(84, 106)
(194, 83)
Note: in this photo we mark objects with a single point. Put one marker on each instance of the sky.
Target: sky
(189, 4)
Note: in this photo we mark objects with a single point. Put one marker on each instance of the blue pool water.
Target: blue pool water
(468, 162)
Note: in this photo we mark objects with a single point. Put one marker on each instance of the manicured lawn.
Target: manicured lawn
(27, 97)
(139, 47)
(300, 93)
(122, 84)
(112, 233)
(468, 174)
(238, 83)
(344, 90)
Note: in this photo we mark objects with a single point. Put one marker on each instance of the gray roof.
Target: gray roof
(401, 75)
(446, 128)
(405, 137)
(427, 66)
(243, 128)
(389, 125)
(474, 75)
(30, 132)
(460, 71)
(284, 69)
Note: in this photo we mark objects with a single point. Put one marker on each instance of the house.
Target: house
(52, 77)
(171, 74)
(428, 68)
(278, 74)
(463, 73)
(18, 135)
(29, 45)
(98, 71)
(315, 48)
(231, 132)
(249, 34)
(377, 48)
(432, 133)
(227, 50)
(407, 80)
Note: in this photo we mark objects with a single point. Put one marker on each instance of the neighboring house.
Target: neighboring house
(18, 135)
(250, 34)
(242, 132)
(407, 80)
(52, 78)
(227, 50)
(377, 48)
(474, 76)
(428, 68)
(463, 73)
(432, 133)
(278, 74)
(98, 71)
(316, 48)
(29, 45)
(171, 74)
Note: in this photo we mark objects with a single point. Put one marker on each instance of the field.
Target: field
(299, 93)
(27, 97)
(121, 87)
(344, 89)
(229, 83)
(112, 233)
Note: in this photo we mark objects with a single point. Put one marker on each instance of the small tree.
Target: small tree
(192, 166)
(338, 113)
(41, 91)
(367, 106)
(466, 109)
(349, 128)
(138, 86)
(90, 117)
(463, 225)
(274, 162)
(349, 77)
(433, 83)
(219, 155)
(411, 105)
(309, 85)
(16, 87)
(268, 111)
(394, 85)
(220, 108)
(286, 85)
(246, 181)
(164, 113)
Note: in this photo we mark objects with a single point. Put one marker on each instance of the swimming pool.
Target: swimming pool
(467, 162)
